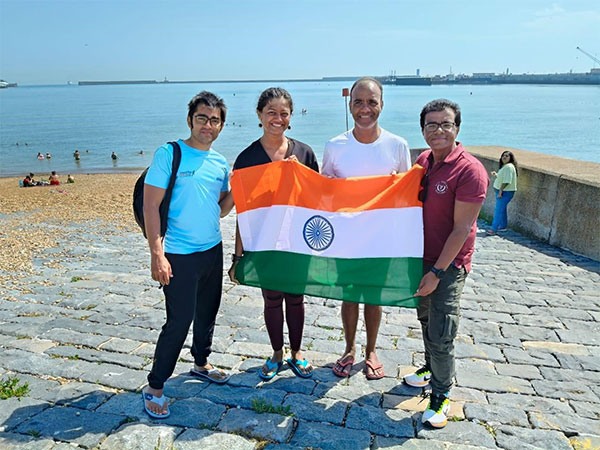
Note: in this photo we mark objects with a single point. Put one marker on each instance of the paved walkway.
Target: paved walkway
(81, 334)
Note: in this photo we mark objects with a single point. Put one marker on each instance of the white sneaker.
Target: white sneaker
(436, 413)
(420, 378)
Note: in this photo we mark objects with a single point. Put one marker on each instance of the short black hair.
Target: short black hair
(365, 80)
(207, 99)
(439, 105)
(271, 94)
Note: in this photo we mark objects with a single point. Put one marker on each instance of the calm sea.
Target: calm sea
(97, 120)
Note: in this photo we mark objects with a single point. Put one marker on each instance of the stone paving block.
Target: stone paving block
(531, 357)
(527, 372)
(193, 439)
(114, 376)
(82, 427)
(120, 345)
(16, 410)
(224, 360)
(127, 404)
(417, 403)
(242, 396)
(14, 441)
(316, 409)
(493, 414)
(329, 345)
(360, 393)
(482, 351)
(460, 394)
(84, 354)
(579, 336)
(29, 345)
(65, 336)
(386, 443)
(585, 441)
(322, 333)
(391, 422)
(329, 437)
(273, 427)
(564, 390)
(529, 403)
(584, 376)
(494, 383)
(488, 316)
(567, 423)
(529, 333)
(134, 436)
(509, 308)
(287, 381)
(571, 313)
(586, 409)
(32, 363)
(261, 351)
(517, 438)
(577, 362)
(194, 413)
(251, 335)
(464, 432)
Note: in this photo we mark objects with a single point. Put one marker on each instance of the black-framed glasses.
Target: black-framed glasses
(424, 186)
(203, 120)
(430, 127)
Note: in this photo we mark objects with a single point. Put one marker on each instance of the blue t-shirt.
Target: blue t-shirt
(194, 213)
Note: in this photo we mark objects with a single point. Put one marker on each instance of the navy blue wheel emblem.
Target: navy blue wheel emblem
(318, 233)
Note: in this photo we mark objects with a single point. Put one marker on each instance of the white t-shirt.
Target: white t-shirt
(346, 157)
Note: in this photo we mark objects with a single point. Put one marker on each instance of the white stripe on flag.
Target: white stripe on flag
(377, 233)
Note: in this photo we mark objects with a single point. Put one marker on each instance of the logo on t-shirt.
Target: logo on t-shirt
(187, 173)
(441, 187)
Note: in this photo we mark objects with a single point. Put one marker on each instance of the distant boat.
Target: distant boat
(6, 84)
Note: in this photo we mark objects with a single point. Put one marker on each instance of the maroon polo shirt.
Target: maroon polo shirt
(460, 176)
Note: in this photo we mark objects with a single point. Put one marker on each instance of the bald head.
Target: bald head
(367, 81)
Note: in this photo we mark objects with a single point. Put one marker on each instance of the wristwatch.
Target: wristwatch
(235, 258)
(439, 273)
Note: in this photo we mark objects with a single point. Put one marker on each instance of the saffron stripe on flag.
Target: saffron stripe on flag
(375, 281)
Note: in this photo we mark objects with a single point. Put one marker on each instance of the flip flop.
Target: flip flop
(273, 369)
(343, 366)
(210, 375)
(374, 367)
(160, 401)
(297, 366)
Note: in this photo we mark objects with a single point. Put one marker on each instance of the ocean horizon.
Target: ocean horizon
(128, 119)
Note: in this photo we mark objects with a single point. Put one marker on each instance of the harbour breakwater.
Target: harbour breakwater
(557, 199)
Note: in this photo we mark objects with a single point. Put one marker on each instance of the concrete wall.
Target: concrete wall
(557, 199)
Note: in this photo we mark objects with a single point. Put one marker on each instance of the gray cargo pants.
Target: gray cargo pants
(439, 314)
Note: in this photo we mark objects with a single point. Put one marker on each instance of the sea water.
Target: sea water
(130, 119)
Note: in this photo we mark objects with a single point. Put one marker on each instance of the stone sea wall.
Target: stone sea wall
(557, 199)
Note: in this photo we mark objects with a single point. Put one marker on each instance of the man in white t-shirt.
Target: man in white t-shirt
(366, 150)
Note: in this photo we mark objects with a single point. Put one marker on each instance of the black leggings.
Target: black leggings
(194, 293)
(294, 316)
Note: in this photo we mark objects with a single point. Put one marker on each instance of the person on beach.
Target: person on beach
(40, 156)
(505, 187)
(76, 155)
(48, 155)
(274, 110)
(70, 179)
(454, 188)
(189, 262)
(54, 181)
(28, 181)
(114, 156)
(365, 150)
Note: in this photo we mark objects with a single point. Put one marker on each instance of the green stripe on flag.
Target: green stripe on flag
(375, 281)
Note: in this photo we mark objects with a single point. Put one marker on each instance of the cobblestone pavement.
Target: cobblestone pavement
(81, 334)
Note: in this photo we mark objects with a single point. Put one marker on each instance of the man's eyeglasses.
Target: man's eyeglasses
(430, 127)
(203, 120)
(424, 185)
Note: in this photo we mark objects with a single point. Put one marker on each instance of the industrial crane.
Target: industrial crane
(589, 55)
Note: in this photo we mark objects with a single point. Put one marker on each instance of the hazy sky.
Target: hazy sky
(54, 41)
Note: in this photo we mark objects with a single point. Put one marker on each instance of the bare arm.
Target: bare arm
(160, 267)
(239, 251)
(502, 187)
(464, 216)
(226, 203)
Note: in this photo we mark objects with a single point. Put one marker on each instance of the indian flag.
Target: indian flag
(354, 239)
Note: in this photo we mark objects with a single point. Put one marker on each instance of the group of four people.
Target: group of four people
(189, 262)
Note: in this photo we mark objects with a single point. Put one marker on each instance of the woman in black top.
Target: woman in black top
(274, 112)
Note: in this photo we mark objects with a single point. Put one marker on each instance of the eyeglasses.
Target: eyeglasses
(424, 185)
(203, 120)
(430, 127)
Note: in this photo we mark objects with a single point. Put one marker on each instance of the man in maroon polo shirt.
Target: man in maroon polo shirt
(454, 188)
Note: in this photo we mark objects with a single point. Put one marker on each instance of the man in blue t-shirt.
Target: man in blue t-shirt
(189, 263)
